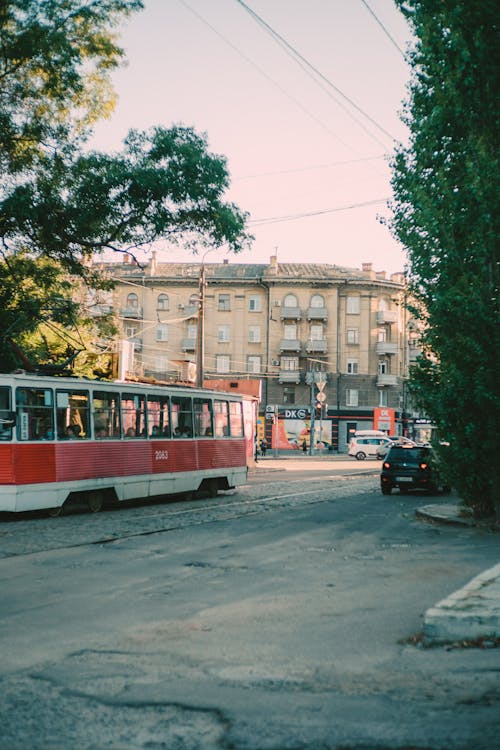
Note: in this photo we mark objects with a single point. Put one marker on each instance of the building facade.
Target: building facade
(328, 342)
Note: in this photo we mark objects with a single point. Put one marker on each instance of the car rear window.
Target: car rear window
(399, 452)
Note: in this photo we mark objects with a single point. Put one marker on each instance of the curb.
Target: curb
(470, 613)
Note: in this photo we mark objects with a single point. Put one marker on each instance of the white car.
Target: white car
(362, 447)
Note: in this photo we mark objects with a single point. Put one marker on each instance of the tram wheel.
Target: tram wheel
(212, 487)
(95, 502)
(56, 512)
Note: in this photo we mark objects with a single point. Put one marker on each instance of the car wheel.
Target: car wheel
(386, 489)
(360, 456)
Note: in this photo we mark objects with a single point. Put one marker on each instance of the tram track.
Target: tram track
(36, 536)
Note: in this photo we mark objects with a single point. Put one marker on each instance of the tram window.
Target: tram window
(221, 418)
(72, 415)
(106, 413)
(182, 416)
(6, 416)
(158, 417)
(203, 417)
(35, 414)
(235, 419)
(133, 415)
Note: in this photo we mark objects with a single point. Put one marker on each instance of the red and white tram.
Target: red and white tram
(65, 440)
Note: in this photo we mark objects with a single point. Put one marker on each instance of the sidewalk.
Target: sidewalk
(473, 612)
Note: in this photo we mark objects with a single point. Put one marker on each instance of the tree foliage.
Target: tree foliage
(64, 204)
(446, 187)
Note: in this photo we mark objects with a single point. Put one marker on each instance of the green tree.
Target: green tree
(445, 212)
(63, 204)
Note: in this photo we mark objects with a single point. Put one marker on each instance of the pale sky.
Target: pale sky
(294, 144)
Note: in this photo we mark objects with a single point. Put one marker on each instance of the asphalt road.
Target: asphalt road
(282, 615)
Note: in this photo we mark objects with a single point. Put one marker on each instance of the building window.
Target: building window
(353, 304)
(254, 334)
(130, 331)
(162, 332)
(288, 395)
(254, 303)
(382, 397)
(162, 302)
(317, 301)
(290, 331)
(192, 331)
(316, 332)
(224, 302)
(290, 363)
(290, 301)
(223, 334)
(132, 301)
(254, 364)
(352, 366)
(194, 300)
(222, 363)
(382, 367)
(382, 334)
(351, 397)
(353, 335)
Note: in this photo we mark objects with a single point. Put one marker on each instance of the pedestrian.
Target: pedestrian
(304, 446)
(263, 446)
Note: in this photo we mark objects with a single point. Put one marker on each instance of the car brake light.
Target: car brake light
(387, 465)
(423, 466)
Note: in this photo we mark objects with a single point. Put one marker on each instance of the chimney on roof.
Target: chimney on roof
(225, 261)
(380, 274)
(273, 264)
(152, 264)
(367, 269)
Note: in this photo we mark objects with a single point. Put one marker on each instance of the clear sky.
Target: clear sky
(295, 146)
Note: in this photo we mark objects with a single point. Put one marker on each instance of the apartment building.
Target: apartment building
(322, 338)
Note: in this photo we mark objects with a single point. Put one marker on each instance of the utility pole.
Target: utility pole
(200, 342)
(313, 411)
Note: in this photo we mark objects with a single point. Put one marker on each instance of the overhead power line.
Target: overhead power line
(293, 217)
(383, 28)
(268, 77)
(298, 57)
(309, 168)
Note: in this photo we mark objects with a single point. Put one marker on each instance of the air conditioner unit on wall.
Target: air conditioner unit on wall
(180, 306)
(275, 362)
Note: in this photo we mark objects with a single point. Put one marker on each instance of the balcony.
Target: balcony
(414, 352)
(289, 376)
(97, 311)
(291, 313)
(386, 347)
(387, 316)
(383, 380)
(319, 346)
(317, 313)
(188, 345)
(190, 311)
(290, 345)
(131, 312)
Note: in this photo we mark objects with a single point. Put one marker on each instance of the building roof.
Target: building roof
(248, 271)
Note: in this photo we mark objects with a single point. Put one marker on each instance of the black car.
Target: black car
(410, 467)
